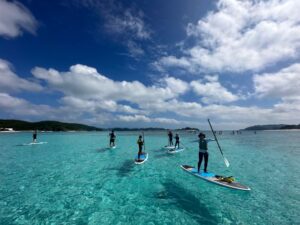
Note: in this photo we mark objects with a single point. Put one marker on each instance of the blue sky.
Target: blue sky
(151, 63)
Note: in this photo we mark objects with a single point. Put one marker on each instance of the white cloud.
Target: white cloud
(86, 83)
(134, 118)
(172, 61)
(241, 36)
(284, 83)
(167, 121)
(118, 18)
(18, 106)
(90, 97)
(130, 27)
(212, 91)
(10, 82)
(230, 117)
(175, 85)
(129, 23)
(15, 18)
(97, 106)
(126, 24)
(22, 109)
(134, 49)
(145, 119)
(73, 109)
(289, 105)
(178, 107)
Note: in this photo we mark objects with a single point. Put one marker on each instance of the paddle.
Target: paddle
(109, 141)
(225, 160)
(144, 142)
(184, 145)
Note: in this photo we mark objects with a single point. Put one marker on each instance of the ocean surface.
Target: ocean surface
(75, 179)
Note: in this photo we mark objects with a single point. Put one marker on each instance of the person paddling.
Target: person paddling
(140, 143)
(203, 151)
(177, 141)
(170, 135)
(112, 139)
(34, 136)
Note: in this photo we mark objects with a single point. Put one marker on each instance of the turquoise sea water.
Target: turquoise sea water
(73, 179)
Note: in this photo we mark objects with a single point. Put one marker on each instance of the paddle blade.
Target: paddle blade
(226, 162)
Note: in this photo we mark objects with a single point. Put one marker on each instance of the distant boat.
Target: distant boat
(7, 130)
(192, 131)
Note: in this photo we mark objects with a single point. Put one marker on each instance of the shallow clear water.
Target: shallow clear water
(73, 179)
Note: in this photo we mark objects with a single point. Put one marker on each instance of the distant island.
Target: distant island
(20, 125)
(137, 129)
(188, 129)
(273, 127)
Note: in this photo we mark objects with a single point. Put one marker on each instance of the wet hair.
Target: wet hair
(140, 136)
(201, 135)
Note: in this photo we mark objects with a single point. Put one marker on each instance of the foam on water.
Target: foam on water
(75, 179)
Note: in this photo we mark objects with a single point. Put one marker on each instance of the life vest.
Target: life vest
(203, 144)
(140, 142)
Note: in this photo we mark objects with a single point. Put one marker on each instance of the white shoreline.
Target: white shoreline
(280, 130)
(9, 131)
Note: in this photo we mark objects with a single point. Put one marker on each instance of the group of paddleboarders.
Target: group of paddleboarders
(203, 149)
(202, 153)
(140, 142)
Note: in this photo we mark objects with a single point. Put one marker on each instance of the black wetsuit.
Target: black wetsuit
(177, 141)
(203, 153)
(140, 142)
(112, 139)
(170, 138)
(34, 136)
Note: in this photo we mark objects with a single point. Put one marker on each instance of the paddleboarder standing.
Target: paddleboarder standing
(34, 136)
(203, 151)
(140, 143)
(112, 138)
(177, 141)
(170, 135)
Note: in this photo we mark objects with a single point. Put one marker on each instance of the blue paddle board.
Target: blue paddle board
(143, 158)
(211, 177)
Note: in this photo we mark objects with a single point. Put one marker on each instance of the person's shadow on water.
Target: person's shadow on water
(126, 168)
(163, 155)
(100, 150)
(186, 201)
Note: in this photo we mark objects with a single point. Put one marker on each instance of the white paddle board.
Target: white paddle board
(36, 143)
(175, 150)
(169, 147)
